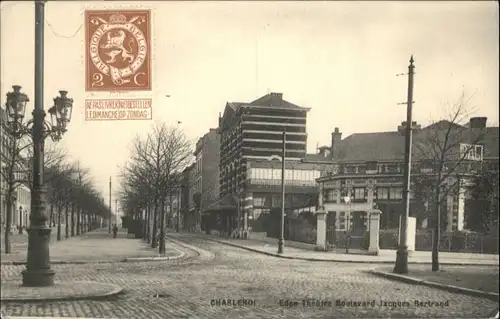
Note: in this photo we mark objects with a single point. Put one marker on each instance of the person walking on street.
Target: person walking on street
(115, 230)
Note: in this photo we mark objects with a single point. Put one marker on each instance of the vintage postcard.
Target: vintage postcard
(249, 159)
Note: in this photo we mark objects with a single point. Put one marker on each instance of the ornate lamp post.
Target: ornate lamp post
(38, 272)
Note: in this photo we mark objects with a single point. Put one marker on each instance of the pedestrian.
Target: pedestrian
(115, 230)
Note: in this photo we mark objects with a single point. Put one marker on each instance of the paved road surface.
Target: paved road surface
(187, 289)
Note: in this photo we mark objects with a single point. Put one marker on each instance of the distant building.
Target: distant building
(368, 170)
(251, 136)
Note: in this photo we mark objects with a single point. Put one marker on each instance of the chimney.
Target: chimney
(414, 125)
(336, 137)
(276, 99)
(477, 128)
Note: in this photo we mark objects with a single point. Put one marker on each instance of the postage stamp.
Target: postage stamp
(117, 50)
(118, 109)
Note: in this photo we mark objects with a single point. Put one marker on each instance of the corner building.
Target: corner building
(251, 139)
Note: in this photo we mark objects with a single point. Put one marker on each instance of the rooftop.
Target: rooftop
(387, 146)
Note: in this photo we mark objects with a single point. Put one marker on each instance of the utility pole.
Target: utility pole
(116, 210)
(401, 266)
(109, 217)
(281, 241)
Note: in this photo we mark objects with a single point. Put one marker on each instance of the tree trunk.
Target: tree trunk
(66, 215)
(8, 222)
(437, 231)
(78, 220)
(59, 223)
(51, 215)
(82, 223)
(148, 224)
(72, 219)
(145, 225)
(154, 239)
(161, 249)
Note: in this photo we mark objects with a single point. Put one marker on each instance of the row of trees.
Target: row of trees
(150, 177)
(71, 197)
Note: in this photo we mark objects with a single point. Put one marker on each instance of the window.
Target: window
(276, 201)
(359, 193)
(371, 166)
(396, 193)
(341, 221)
(330, 195)
(382, 193)
(393, 168)
(258, 201)
(472, 152)
(276, 174)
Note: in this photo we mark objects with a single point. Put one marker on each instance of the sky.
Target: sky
(338, 58)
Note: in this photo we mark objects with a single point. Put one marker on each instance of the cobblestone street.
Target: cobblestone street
(188, 288)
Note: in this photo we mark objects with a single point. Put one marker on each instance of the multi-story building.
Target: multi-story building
(207, 154)
(250, 161)
(186, 197)
(21, 196)
(368, 170)
(201, 179)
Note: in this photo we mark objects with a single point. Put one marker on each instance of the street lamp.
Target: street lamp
(281, 241)
(38, 272)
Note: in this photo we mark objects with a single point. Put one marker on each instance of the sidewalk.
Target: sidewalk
(96, 246)
(470, 280)
(385, 256)
(20, 241)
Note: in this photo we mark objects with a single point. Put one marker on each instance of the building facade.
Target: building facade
(21, 197)
(368, 171)
(208, 156)
(251, 136)
(201, 179)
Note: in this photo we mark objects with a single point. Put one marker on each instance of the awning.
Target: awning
(226, 202)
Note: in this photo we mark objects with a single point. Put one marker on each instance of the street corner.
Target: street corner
(14, 292)
(203, 254)
(175, 254)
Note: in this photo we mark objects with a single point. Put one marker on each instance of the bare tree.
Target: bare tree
(13, 166)
(156, 163)
(442, 156)
(59, 187)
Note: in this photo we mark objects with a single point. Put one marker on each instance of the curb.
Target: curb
(450, 288)
(200, 252)
(83, 262)
(337, 260)
(116, 291)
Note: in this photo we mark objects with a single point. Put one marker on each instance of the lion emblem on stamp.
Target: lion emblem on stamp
(118, 54)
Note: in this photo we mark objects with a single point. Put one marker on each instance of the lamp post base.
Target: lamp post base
(401, 266)
(38, 272)
(281, 244)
